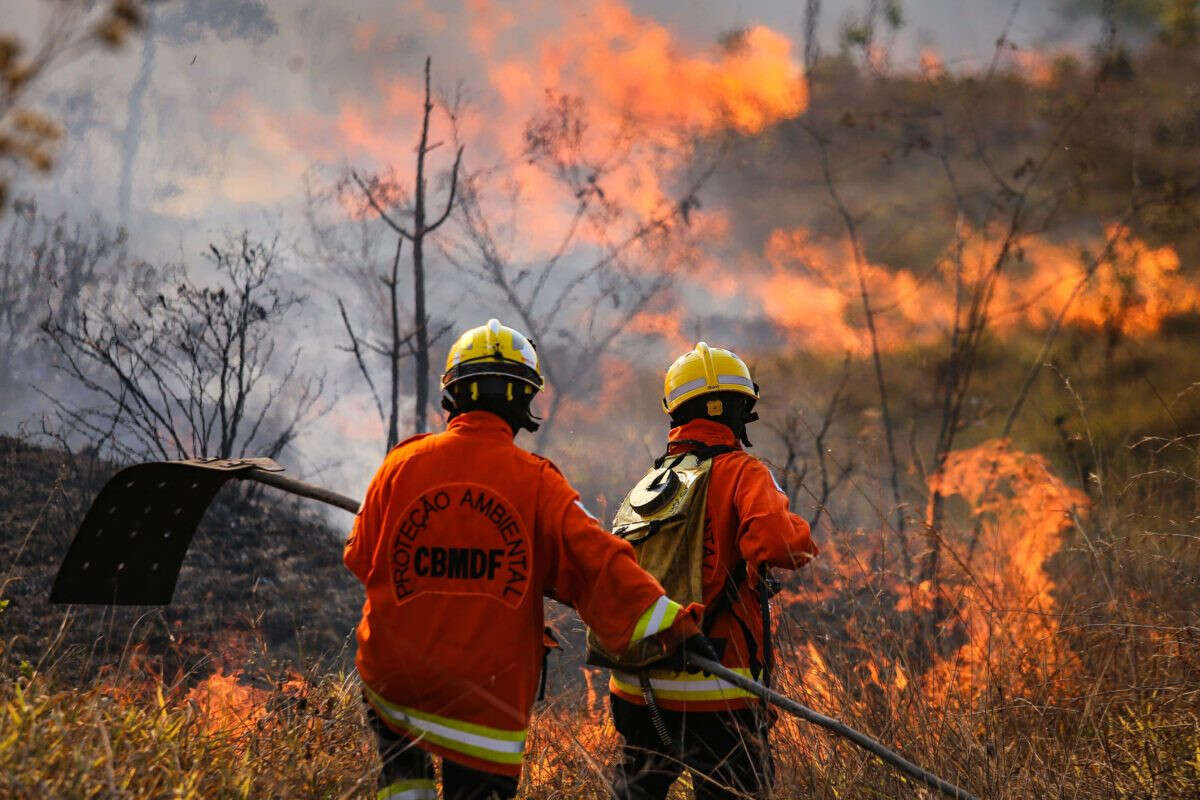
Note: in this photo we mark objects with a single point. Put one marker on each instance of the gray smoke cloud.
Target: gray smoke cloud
(213, 119)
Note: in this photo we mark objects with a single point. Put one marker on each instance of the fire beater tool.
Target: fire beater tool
(130, 547)
(131, 544)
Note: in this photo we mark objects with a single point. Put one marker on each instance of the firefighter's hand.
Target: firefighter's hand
(699, 645)
(683, 629)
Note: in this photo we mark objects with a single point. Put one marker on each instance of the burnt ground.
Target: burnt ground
(262, 587)
(262, 581)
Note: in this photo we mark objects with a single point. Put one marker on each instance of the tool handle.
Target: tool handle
(831, 724)
(786, 703)
(300, 487)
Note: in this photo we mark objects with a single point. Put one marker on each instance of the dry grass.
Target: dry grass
(1097, 698)
(137, 740)
(131, 738)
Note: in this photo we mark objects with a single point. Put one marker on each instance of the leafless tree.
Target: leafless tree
(608, 264)
(812, 47)
(997, 209)
(385, 197)
(1013, 207)
(48, 265)
(176, 369)
(1024, 202)
(850, 223)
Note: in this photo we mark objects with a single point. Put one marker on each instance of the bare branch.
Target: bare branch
(453, 188)
(358, 357)
(876, 358)
(383, 215)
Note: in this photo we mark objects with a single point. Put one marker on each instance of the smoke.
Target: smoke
(132, 135)
(219, 130)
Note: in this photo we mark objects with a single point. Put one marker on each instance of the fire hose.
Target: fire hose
(829, 723)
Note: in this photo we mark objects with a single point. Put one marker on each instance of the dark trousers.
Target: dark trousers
(726, 752)
(408, 772)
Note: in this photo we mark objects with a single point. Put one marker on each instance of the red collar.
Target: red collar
(705, 431)
(481, 423)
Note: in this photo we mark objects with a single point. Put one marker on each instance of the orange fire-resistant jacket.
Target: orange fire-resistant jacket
(459, 536)
(746, 519)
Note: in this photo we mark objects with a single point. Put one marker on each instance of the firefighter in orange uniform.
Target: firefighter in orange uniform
(713, 728)
(460, 535)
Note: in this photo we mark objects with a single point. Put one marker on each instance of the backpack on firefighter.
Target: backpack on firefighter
(663, 518)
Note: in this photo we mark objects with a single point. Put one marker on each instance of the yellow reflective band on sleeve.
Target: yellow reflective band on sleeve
(490, 744)
(669, 685)
(656, 619)
(420, 789)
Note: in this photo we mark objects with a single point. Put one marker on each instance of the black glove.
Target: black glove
(701, 646)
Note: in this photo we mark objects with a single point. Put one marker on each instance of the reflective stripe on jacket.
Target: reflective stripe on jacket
(459, 536)
(682, 686)
(746, 519)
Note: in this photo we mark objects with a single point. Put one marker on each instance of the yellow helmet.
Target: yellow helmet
(705, 370)
(494, 350)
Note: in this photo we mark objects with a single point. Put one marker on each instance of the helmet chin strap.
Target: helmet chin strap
(448, 402)
(733, 413)
(518, 416)
(741, 432)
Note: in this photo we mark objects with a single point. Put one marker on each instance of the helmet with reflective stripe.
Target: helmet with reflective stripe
(705, 370)
(493, 350)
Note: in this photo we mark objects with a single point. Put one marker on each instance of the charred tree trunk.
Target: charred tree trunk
(421, 322)
(418, 341)
(394, 352)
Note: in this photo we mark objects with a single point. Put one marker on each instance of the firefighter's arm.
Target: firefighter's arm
(356, 554)
(596, 573)
(359, 550)
(768, 532)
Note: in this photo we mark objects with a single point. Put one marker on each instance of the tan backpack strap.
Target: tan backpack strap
(698, 449)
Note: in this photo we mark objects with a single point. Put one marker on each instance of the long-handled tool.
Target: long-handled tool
(130, 548)
(830, 724)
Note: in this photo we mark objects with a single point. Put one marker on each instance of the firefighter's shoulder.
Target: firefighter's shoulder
(410, 441)
(755, 468)
(403, 452)
(743, 466)
(739, 460)
(549, 472)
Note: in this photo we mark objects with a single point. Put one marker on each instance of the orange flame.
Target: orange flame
(1033, 66)
(1005, 514)
(1020, 510)
(641, 94)
(225, 704)
(812, 289)
(1023, 509)
(930, 62)
(633, 69)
